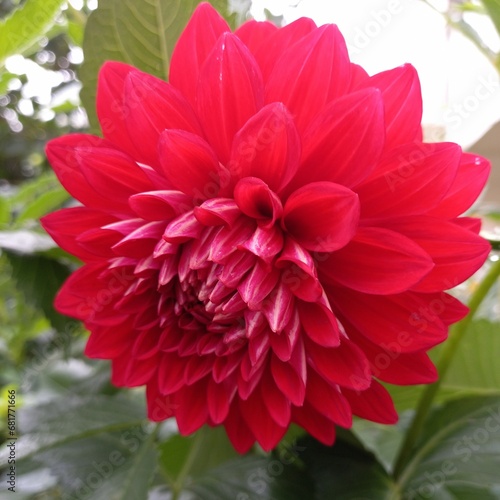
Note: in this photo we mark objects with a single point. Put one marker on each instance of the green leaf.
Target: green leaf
(493, 9)
(457, 457)
(97, 446)
(39, 279)
(142, 36)
(4, 211)
(185, 457)
(26, 25)
(345, 471)
(252, 478)
(46, 203)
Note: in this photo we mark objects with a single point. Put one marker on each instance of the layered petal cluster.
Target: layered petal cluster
(265, 237)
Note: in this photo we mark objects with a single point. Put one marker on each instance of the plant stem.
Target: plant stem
(450, 347)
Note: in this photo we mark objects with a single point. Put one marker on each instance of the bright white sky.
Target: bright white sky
(461, 89)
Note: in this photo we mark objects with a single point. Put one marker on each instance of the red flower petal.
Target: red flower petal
(471, 178)
(192, 410)
(411, 180)
(374, 404)
(230, 91)
(310, 74)
(322, 216)
(328, 400)
(403, 321)
(189, 164)
(194, 45)
(255, 413)
(160, 205)
(377, 261)
(256, 34)
(345, 365)
(457, 253)
(402, 97)
(281, 40)
(154, 106)
(267, 147)
(112, 109)
(256, 200)
(345, 140)
(66, 225)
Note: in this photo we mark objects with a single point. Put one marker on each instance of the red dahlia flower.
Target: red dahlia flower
(265, 236)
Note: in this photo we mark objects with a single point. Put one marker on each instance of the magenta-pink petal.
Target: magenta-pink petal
(258, 284)
(256, 200)
(328, 400)
(374, 404)
(230, 91)
(112, 109)
(281, 40)
(378, 261)
(471, 224)
(456, 252)
(358, 76)
(189, 164)
(265, 243)
(291, 378)
(160, 205)
(217, 212)
(322, 216)
(400, 88)
(411, 180)
(153, 106)
(345, 140)
(279, 307)
(319, 323)
(236, 267)
(267, 147)
(194, 45)
(283, 343)
(258, 346)
(183, 228)
(142, 241)
(310, 74)
(471, 178)
(255, 34)
(226, 241)
(62, 228)
(345, 365)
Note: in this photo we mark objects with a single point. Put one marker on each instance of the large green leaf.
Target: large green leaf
(475, 369)
(345, 471)
(95, 445)
(26, 25)
(458, 456)
(139, 33)
(39, 279)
